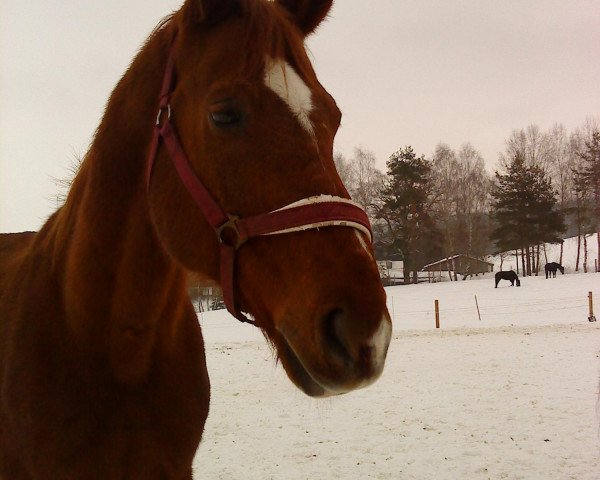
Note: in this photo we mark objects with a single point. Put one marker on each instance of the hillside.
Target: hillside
(551, 253)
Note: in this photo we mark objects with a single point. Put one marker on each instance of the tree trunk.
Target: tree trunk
(562, 245)
(578, 223)
(524, 271)
(585, 253)
(516, 260)
(406, 274)
(528, 258)
(598, 249)
(537, 261)
(578, 252)
(454, 269)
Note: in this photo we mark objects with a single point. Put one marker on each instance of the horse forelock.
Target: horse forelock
(279, 56)
(270, 34)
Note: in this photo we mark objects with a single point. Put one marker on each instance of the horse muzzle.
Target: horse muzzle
(342, 356)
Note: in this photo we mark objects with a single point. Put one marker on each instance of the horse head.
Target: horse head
(257, 128)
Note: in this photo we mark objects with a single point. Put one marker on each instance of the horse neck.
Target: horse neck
(118, 281)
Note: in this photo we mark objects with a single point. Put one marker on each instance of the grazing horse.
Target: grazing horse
(214, 155)
(507, 275)
(551, 269)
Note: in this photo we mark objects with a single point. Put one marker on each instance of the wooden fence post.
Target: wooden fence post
(477, 305)
(591, 317)
(437, 314)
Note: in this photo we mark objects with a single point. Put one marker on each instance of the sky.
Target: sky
(403, 72)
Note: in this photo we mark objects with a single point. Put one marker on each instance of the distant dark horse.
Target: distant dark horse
(510, 275)
(551, 269)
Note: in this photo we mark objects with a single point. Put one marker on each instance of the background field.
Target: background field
(512, 396)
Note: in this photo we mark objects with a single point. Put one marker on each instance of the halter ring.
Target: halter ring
(231, 224)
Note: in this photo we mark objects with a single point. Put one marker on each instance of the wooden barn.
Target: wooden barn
(461, 264)
(391, 272)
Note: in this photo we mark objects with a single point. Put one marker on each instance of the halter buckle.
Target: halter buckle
(235, 240)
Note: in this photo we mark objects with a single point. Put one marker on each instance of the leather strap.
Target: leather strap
(232, 232)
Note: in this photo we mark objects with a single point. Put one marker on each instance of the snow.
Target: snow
(511, 396)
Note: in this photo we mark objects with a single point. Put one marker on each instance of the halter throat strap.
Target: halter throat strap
(233, 232)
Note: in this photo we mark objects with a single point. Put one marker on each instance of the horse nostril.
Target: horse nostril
(335, 335)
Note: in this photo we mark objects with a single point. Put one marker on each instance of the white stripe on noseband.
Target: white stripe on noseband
(287, 84)
(330, 223)
(363, 244)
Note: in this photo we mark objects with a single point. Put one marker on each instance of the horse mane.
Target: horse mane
(270, 31)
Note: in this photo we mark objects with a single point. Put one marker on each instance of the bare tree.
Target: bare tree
(345, 171)
(361, 178)
(463, 193)
(559, 162)
(474, 185)
(444, 176)
(368, 180)
(530, 143)
(554, 150)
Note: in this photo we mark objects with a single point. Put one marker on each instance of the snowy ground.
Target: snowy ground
(512, 396)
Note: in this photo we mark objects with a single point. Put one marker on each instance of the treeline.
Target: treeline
(423, 209)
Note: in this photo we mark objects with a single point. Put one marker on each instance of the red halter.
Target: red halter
(309, 213)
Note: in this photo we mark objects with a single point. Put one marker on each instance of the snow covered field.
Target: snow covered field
(511, 396)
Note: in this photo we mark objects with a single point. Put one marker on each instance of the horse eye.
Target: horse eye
(226, 118)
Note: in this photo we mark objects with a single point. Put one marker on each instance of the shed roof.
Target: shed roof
(453, 257)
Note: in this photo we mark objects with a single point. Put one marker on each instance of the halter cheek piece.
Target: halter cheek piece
(232, 231)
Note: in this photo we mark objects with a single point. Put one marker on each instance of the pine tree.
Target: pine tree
(508, 207)
(525, 211)
(588, 179)
(546, 219)
(405, 206)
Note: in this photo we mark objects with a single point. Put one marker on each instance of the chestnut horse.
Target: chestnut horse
(219, 124)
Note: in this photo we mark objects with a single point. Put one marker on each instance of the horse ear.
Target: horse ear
(208, 12)
(307, 14)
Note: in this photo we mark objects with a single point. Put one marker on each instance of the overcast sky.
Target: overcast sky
(403, 73)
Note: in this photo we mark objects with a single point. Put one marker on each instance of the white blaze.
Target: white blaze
(287, 84)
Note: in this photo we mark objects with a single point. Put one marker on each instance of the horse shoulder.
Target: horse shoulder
(13, 248)
(65, 392)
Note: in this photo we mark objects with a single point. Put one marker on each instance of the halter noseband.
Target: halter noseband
(232, 231)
